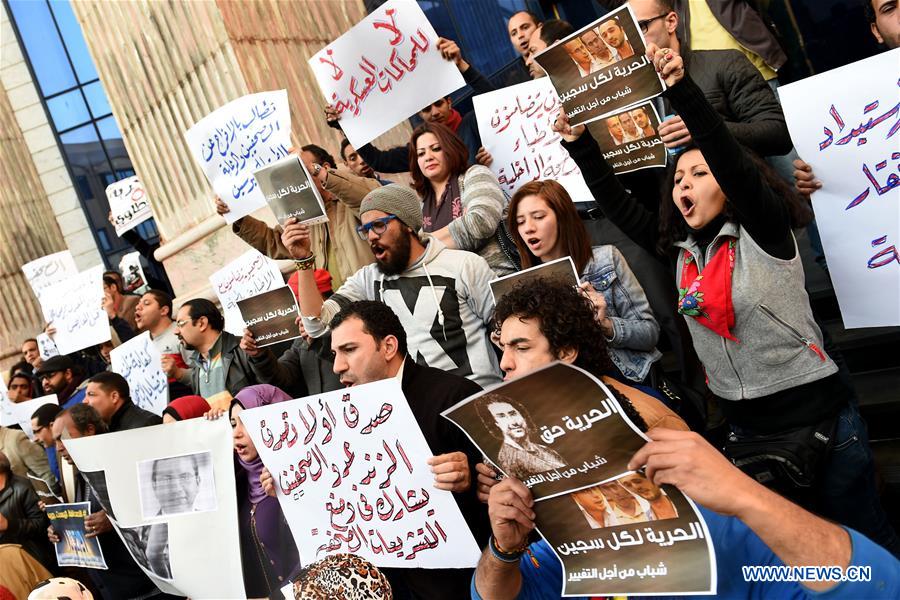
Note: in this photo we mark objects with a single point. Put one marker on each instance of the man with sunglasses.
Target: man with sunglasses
(730, 82)
(441, 296)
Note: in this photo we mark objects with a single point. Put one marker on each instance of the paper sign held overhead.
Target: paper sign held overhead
(248, 275)
(237, 139)
(128, 203)
(291, 192)
(139, 361)
(845, 124)
(382, 71)
(43, 272)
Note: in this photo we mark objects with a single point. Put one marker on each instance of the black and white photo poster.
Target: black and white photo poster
(169, 491)
(291, 192)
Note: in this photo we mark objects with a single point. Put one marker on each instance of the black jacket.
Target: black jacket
(238, 371)
(131, 416)
(742, 97)
(429, 392)
(300, 371)
(27, 523)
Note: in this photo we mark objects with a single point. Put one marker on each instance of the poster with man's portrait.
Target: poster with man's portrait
(629, 138)
(601, 68)
(291, 192)
(176, 485)
(553, 447)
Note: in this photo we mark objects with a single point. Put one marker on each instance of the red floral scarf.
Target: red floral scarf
(707, 297)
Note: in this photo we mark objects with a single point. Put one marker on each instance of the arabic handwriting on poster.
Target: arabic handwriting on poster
(139, 361)
(128, 203)
(346, 461)
(248, 275)
(43, 272)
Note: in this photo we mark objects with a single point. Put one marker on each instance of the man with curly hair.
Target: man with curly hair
(520, 455)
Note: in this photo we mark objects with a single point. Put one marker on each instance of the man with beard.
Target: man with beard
(599, 50)
(614, 36)
(629, 128)
(520, 456)
(59, 375)
(441, 296)
(218, 364)
(642, 120)
(660, 505)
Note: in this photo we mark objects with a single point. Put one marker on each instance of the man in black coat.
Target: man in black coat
(21, 520)
(369, 344)
(108, 394)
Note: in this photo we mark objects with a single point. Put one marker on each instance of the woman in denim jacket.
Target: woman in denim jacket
(545, 226)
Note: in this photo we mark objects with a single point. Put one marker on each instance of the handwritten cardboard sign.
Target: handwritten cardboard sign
(563, 434)
(235, 140)
(74, 307)
(129, 204)
(271, 316)
(291, 192)
(139, 361)
(19, 413)
(248, 275)
(386, 68)
(844, 123)
(601, 68)
(629, 139)
(559, 269)
(183, 553)
(43, 272)
(74, 548)
(515, 124)
(351, 476)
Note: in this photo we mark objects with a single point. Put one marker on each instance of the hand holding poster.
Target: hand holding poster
(565, 437)
(248, 275)
(351, 475)
(386, 68)
(74, 548)
(601, 68)
(43, 272)
(181, 526)
(291, 192)
(236, 140)
(561, 268)
(515, 124)
(128, 203)
(138, 360)
(133, 273)
(271, 316)
(858, 208)
(74, 308)
(630, 139)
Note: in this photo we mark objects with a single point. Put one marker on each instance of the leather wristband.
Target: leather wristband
(305, 264)
(507, 556)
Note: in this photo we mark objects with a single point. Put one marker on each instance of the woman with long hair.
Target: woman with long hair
(462, 207)
(545, 226)
(726, 220)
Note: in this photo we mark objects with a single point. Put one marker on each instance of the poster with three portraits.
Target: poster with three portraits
(563, 434)
(169, 491)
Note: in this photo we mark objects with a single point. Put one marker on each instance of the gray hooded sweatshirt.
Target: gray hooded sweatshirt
(443, 301)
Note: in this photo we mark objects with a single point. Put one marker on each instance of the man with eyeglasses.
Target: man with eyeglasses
(729, 81)
(441, 296)
(59, 375)
(176, 483)
(41, 424)
(220, 368)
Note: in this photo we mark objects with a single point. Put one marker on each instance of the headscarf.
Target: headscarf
(187, 407)
(252, 397)
(345, 576)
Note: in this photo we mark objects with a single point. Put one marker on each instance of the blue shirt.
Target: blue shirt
(76, 398)
(735, 546)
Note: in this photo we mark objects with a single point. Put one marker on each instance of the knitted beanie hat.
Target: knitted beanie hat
(398, 200)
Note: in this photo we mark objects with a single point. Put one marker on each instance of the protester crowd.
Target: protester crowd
(396, 284)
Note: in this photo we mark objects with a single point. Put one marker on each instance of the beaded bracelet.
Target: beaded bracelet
(502, 555)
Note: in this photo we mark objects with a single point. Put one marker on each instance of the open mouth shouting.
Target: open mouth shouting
(379, 251)
(686, 205)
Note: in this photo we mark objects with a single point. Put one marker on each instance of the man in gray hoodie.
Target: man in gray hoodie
(441, 296)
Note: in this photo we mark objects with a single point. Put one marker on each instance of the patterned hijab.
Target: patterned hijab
(344, 576)
(252, 397)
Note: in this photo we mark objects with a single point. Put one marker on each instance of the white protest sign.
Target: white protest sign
(43, 272)
(386, 68)
(190, 546)
(351, 475)
(138, 360)
(128, 203)
(236, 140)
(515, 124)
(248, 275)
(20, 413)
(46, 346)
(844, 123)
(74, 307)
